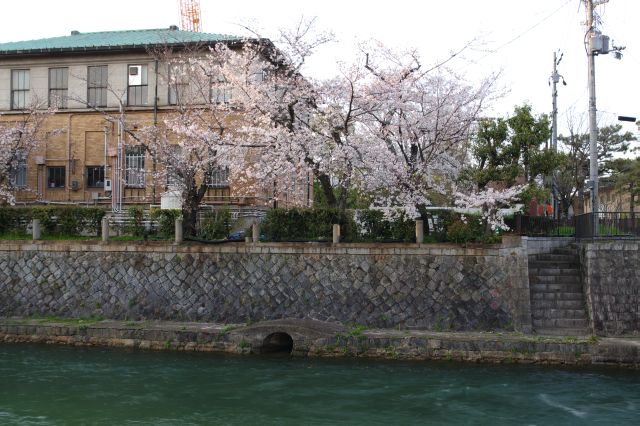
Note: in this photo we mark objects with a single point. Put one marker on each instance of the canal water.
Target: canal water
(53, 385)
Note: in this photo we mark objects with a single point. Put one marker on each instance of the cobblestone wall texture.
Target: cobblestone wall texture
(432, 288)
(611, 277)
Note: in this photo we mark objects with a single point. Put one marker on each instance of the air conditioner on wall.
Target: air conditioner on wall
(74, 185)
(135, 75)
(107, 185)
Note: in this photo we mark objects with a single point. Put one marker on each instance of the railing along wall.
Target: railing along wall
(589, 225)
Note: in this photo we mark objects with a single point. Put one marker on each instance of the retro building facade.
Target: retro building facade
(82, 74)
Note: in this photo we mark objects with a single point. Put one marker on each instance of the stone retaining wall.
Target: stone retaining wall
(437, 287)
(611, 279)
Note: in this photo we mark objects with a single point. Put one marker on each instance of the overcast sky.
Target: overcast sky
(517, 37)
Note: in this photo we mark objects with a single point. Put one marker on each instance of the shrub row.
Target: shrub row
(370, 226)
(54, 220)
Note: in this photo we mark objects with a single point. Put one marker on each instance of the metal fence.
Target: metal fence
(589, 225)
(541, 226)
(608, 224)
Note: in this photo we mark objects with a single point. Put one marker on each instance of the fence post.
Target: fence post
(336, 233)
(178, 231)
(255, 232)
(105, 229)
(36, 229)
(419, 231)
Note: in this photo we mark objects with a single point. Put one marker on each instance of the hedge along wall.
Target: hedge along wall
(611, 279)
(438, 287)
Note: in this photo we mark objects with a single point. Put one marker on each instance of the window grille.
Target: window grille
(19, 172)
(134, 166)
(218, 177)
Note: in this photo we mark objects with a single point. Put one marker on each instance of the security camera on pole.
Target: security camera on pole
(596, 44)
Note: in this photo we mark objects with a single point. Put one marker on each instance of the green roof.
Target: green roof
(112, 40)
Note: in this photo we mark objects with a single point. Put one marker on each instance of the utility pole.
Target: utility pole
(597, 44)
(555, 78)
(593, 128)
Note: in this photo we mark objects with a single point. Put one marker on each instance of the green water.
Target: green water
(49, 385)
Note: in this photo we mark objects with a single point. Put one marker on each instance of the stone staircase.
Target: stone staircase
(557, 298)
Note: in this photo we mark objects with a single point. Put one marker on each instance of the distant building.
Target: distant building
(611, 199)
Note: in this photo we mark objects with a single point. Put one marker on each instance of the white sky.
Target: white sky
(515, 36)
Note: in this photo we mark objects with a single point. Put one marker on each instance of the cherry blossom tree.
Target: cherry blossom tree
(385, 125)
(20, 136)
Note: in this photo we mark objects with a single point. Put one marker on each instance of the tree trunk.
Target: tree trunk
(190, 206)
(327, 190)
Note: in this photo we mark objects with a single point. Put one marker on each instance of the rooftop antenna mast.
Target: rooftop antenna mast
(190, 15)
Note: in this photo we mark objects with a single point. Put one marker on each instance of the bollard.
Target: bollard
(105, 229)
(336, 233)
(255, 232)
(36, 229)
(419, 231)
(178, 231)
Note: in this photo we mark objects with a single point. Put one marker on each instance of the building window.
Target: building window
(95, 177)
(55, 177)
(97, 86)
(221, 92)
(178, 83)
(19, 171)
(20, 86)
(58, 87)
(218, 177)
(134, 166)
(137, 85)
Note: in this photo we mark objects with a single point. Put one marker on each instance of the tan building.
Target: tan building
(610, 199)
(83, 164)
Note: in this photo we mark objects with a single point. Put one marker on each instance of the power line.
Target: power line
(527, 30)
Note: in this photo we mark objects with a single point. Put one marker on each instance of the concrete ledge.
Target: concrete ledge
(262, 248)
(315, 338)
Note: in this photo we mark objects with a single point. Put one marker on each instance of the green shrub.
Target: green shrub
(136, 225)
(14, 220)
(54, 220)
(297, 224)
(463, 231)
(372, 226)
(215, 224)
(166, 221)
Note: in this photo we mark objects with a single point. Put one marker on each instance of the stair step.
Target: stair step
(542, 314)
(550, 257)
(555, 279)
(535, 270)
(557, 304)
(560, 296)
(565, 251)
(560, 323)
(555, 287)
(562, 331)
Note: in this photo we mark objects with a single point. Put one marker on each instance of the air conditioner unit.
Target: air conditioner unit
(39, 160)
(74, 185)
(95, 195)
(135, 75)
(107, 185)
